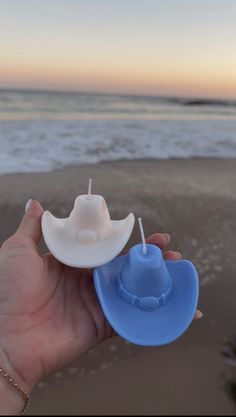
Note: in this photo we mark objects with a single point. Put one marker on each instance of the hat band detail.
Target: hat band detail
(145, 303)
(88, 236)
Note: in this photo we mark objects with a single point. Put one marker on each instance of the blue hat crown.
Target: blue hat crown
(144, 280)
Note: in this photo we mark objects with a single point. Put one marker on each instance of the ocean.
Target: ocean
(44, 131)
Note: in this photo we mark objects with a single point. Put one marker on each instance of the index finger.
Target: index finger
(159, 239)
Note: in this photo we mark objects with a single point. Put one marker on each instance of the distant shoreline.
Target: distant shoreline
(184, 100)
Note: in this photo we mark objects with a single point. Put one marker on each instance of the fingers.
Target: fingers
(30, 225)
(159, 239)
(198, 315)
(171, 255)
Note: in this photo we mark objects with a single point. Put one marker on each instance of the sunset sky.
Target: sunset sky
(161, 47)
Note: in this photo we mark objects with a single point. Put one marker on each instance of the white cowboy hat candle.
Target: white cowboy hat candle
(88, 237)
(147, 300)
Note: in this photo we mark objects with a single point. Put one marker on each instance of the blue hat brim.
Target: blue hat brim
(158, 327)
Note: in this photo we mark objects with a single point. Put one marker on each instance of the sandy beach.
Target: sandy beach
(194, 201)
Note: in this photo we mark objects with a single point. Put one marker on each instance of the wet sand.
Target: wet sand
(194, 201)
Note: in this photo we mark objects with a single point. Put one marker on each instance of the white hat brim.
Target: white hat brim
(74, 253)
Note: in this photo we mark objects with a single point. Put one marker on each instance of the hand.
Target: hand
(49, 312)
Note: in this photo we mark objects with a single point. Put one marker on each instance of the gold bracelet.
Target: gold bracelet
(20, 390)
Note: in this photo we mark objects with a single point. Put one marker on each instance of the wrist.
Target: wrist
(15, 387)
(12, 402)
(13, 364)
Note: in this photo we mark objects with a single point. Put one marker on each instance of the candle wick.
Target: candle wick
(90, 186)
(142, 235)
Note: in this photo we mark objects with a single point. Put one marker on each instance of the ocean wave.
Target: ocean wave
(41, 146)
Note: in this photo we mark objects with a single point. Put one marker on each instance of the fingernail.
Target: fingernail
(167, 237)
(28, 204)
(198, 314)
(178, 255)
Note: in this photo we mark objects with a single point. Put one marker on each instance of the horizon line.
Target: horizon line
(121, 94)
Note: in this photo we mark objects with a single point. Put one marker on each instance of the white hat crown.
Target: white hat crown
(88, 237)
(89, 220)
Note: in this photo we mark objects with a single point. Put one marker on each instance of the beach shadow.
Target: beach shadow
(229, 372)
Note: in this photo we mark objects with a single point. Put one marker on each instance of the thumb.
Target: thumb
(30, 225)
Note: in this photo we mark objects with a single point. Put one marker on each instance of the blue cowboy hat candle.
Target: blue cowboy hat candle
(147, 300)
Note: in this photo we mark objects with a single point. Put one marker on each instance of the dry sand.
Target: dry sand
(194, 201)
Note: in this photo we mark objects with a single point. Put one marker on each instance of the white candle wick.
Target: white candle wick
(142, 235)
(90, 186)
